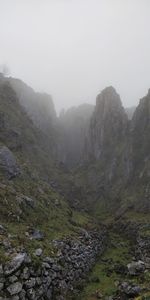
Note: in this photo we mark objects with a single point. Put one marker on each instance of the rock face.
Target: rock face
(21, 137)
(116, 153)
(108, 125)
(140, 127)
(38, 106)
(8, 163)
(111, 152)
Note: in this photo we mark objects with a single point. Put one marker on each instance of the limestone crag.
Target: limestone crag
(108, 125)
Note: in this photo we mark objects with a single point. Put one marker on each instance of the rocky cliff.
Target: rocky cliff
(19, 135)
(38, 106)
(56, 172)
(108, 125)
(116, 153)
(108, 152)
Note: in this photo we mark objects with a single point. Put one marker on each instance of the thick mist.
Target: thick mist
(72, 49)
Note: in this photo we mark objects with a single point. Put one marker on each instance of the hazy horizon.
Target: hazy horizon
(72, 49)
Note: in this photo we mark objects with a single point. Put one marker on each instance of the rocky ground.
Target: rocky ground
(44, 277)
(112, 264)
(123, 271)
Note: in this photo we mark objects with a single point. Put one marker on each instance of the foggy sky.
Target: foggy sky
(73, 49)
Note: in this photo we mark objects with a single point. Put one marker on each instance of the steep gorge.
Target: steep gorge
(61, 177)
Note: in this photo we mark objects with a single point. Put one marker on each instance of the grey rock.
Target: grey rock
(15, 288)
(8, 162)
(38, 281)
(130, 289)
(1, 270)
(30, 283)
(49, 294)
(22, 295)
(38, 252)
(2, 229)
(13, 278)
(15, 264)
(57, 202)
(26, 273)
(135, 268)
(46, 265)
(15, 297)
(37, 235)
(1, 286)
(25, 201)
(31, 294)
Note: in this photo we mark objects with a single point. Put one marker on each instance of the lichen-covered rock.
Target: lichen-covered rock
(14, 264)
(8, 163)
(37, 235)
(14, 288)
(25, 201)
(2, 229)
(38, 252)
(130, 289)
(1, 286)
(135, 268)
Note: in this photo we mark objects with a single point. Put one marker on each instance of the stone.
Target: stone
(98, 294)
(2, 229)
(22, 295)
(135, 268)
(1, 270)
(30, 283)
(37, 235)
(15, 297)
(14, 288)
(15, 264)
(31, 294)
(25, 201)
(46, 265)
(13, 278)
(38, 252)
(57, 202)
(26, 273)
(130, 289)
(1, 286)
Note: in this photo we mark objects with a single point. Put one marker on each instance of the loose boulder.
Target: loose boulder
(135, 268)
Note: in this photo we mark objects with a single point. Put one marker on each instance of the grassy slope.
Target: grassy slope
(104, 279)
(51, 215)
(33, 151)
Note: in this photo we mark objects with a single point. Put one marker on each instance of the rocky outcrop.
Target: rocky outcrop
(8, 164)
(107, 127)
(116, 152)
(38, 106)
(140, 127)
(54, 277)
(18, 133)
